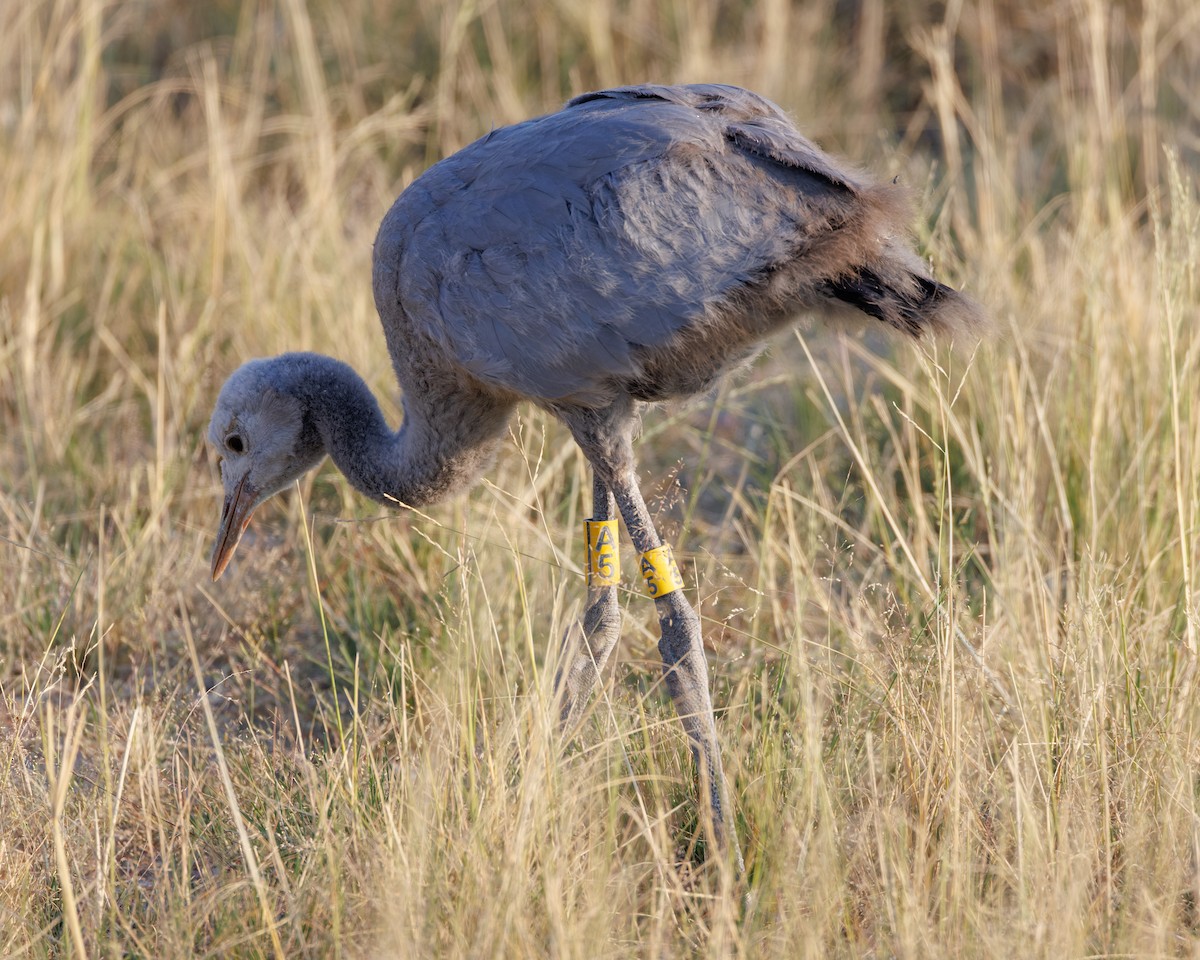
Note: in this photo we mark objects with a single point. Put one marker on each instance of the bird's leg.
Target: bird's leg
(685, 668)
(588, 643)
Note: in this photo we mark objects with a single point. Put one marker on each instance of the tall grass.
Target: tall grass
(952, 598)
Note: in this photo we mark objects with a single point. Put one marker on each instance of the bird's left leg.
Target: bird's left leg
(682, 649)
(589, 643)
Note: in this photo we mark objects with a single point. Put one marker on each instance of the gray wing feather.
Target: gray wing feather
(546, 255)
(772, 140)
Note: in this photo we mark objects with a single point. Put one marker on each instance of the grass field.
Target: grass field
(952, 597)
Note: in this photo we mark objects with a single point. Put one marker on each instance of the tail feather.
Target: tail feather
(908, 301)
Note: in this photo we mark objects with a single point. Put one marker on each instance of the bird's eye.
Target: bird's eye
(235, 444)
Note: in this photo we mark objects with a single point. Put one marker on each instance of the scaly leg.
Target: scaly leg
(606, 437)
(589, 643)
(686, 671)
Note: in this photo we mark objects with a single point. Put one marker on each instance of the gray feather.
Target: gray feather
(564, 257)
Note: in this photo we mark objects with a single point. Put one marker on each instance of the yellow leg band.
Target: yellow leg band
(660, 571)
(603, 563)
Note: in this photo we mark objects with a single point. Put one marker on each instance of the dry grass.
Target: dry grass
(953, 600)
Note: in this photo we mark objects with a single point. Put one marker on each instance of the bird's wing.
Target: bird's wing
(544, 257)
(752, 124)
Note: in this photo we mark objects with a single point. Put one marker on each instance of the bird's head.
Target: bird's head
(261, 432)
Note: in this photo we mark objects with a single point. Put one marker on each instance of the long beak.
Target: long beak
(235, 517)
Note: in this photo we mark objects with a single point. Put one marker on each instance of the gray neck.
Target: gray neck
(443, 445)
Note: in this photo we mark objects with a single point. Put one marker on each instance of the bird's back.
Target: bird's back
(639, 240)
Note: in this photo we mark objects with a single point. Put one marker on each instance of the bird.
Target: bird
(631, 248)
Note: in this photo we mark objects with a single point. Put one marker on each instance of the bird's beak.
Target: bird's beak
(235, 517)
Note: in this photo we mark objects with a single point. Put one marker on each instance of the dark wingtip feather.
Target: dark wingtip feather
(910, 302)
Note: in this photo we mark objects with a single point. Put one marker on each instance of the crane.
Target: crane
(630, 248)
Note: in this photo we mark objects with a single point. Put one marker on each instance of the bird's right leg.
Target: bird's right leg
(589, 643)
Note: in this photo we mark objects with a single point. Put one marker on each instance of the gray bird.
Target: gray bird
(630, 248)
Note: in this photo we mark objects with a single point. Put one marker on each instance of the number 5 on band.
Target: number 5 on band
(603, 563)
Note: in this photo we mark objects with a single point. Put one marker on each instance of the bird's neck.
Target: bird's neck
(448, 436)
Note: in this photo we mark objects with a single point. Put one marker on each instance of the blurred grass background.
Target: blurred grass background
(952, 598)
